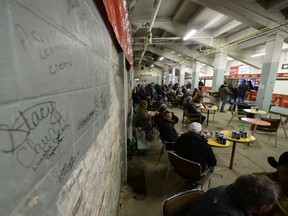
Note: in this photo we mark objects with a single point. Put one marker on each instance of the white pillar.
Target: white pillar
(219, 69)
(173, 75)
(269, 72)
(195, 74)
(182, 75)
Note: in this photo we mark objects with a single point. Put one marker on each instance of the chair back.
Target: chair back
(191, 117)
(179, 204)
(272, 128)
(185, 168)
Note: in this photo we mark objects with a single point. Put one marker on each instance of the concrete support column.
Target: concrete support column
(182, 75)
(219, 69)
(173, 75)
(195, 75)
(269, 71)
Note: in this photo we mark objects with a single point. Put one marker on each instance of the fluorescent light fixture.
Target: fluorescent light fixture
(258, 54)
(161, 58)
(152, 65)
(189, 34)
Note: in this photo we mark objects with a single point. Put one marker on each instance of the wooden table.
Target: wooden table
(208, 109)
(255, 121)
(227, 134)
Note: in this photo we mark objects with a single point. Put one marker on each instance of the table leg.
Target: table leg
(207, 120)
(232, 155)
(283, 124)
(252, 127)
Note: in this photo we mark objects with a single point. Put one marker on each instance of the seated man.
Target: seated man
(198, 97)
(158, 102)
(249, 194)
(195, 147)
(166, 129)
(281, 178)
(143, 119)
(159, 117)
(192, 109)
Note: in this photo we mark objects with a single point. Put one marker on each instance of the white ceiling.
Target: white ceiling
(241, 26)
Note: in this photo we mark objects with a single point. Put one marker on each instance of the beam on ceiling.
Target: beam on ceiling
(241, 12)
(226, 28)
(165, 54)
(277, 5)
(245, 58)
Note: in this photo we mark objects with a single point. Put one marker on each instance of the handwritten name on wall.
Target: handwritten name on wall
(47, 45)
(99, 105)
(35, 135)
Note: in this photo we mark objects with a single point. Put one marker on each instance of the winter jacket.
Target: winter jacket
(220, 201)
(194, 147)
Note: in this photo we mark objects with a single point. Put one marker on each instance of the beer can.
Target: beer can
(238, 136)
(224, 140)
(244, 134)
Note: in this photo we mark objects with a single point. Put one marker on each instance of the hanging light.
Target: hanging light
(189, 34)
(257, 54)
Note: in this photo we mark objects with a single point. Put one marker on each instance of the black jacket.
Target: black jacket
(167, 131)
(194, 147)
(191, 108)
(220, 201)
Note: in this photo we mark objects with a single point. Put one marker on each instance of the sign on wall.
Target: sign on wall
(234, 70)
(118, 17)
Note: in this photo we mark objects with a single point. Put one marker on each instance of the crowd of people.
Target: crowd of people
(251, 194)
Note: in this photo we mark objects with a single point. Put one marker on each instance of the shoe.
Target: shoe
(222, 111)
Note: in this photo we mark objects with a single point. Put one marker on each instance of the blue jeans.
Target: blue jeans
(224, 100)
(241, 99)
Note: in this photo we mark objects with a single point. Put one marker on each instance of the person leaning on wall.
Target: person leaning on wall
(249, 195)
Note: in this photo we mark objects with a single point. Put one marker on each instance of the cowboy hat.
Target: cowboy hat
(283, 160)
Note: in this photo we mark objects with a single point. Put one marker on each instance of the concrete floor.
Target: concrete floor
(247, 160)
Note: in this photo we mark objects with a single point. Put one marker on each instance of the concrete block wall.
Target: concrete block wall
(61, 110)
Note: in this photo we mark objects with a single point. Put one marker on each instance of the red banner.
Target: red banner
(234, 70)
(118, 17)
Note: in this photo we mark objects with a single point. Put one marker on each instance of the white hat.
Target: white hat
(195, 127)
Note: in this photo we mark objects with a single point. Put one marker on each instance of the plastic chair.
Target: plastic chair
(179, 204)
(189, 118)
(269, 130)
(188, 170)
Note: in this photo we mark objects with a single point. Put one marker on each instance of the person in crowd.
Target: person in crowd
(143, 119)
(280, 176)
(198, 97)
(158, 102)
(200, 83)
(194, 147)
(159, 117)
(250, 85)
(243, 87)
(188, 85)
(166, 129)
(249, 195)
(223, 95)
(192, 109)
(234, 96)
(186, 93)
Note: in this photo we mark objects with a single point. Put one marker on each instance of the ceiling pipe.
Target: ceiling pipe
(149, 33)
